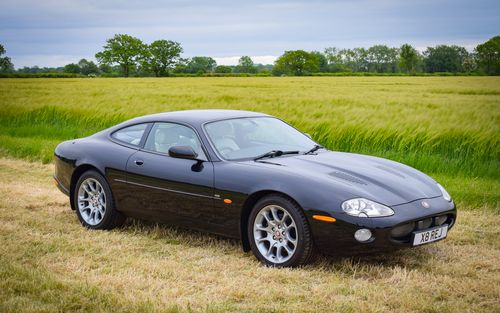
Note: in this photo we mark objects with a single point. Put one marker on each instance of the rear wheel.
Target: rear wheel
(279, 233)
(94, 202)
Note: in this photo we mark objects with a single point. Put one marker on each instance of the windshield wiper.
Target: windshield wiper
(275, 153)
(314, 149)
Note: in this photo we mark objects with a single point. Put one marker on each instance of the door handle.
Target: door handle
(139, 162)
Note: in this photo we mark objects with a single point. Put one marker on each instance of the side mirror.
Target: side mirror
(308, 135)
(182, 152)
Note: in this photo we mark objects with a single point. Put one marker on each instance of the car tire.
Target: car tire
(279, 233)
(94, 203)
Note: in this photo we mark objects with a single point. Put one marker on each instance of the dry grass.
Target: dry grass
(49, 263)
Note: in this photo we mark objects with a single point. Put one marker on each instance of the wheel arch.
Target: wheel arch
(247, 209)
(77, 173)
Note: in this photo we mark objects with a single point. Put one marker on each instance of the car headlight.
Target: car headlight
(362, 207)
(445, 193)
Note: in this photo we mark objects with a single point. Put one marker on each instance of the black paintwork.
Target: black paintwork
(189, 192)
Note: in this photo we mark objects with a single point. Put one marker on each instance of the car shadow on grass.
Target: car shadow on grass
(406, 258)
(173, 234)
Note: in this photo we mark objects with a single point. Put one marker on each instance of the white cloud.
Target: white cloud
(46, 60)
(62, 31)
(264, 59)
(233, 60)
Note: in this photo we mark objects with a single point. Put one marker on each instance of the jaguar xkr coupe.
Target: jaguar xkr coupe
(253, 177)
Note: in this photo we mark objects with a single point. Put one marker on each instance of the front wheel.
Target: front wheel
(279, 233)
(94, 202)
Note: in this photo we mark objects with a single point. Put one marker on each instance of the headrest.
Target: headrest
(166, 136)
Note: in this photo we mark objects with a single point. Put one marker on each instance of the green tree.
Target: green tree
(181, 65)
(321, 60)
(223, 69)
(408, 59)
(88, 67)
(33, 70)
(245, 65)
(469, 63)
(72, 68)
(296, 62)
(354, 60)
(445, 58)
(382, 59)
(488, 56)
(124, 50)
(6, 65)
(198, 65)
(161, 56)
(335, 60)
(266, 68)
(105, 68)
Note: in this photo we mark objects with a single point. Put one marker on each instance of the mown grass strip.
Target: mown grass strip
(50, 263)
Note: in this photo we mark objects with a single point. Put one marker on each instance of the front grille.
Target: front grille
(402, 232)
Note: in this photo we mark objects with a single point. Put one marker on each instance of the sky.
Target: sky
(58, 32)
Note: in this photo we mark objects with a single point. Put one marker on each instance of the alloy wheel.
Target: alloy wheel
(275, 234)
(91, 201)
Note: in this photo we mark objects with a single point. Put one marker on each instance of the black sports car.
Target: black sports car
(250, 176)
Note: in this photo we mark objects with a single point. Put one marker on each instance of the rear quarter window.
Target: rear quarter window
(131, 135)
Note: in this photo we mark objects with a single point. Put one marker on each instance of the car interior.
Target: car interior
(163, 136)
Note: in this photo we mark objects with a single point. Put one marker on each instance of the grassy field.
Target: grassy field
(447, 127)
(49, 263)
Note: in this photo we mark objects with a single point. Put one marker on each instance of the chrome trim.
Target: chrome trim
(166, 189)
(145, 136)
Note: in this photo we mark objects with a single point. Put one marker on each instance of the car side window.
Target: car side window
(163, 136)
(131, 135)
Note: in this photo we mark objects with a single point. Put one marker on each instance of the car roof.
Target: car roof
(195, 117)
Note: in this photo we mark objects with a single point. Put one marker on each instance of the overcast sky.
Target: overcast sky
(57, 32)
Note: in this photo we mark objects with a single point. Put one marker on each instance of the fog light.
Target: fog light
(363, 235)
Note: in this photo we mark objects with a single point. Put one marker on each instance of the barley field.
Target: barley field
(447, 127)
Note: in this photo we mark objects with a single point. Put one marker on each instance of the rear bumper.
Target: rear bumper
(60, 186)
(388, 233)
(63, 169)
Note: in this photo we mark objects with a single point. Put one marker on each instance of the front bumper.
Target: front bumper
(388, 233)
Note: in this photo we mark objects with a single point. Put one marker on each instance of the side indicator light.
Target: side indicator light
(228, 201)
(324, 218)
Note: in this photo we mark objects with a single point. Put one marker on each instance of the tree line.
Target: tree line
(125, 55)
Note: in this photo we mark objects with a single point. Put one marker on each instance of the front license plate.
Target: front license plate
(434, 234)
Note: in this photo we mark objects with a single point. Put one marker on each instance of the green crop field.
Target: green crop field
(447, 127)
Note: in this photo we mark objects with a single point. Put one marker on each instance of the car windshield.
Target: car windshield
(248, 138)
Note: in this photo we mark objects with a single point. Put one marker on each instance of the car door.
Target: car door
(168, 189)
(127, 141)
